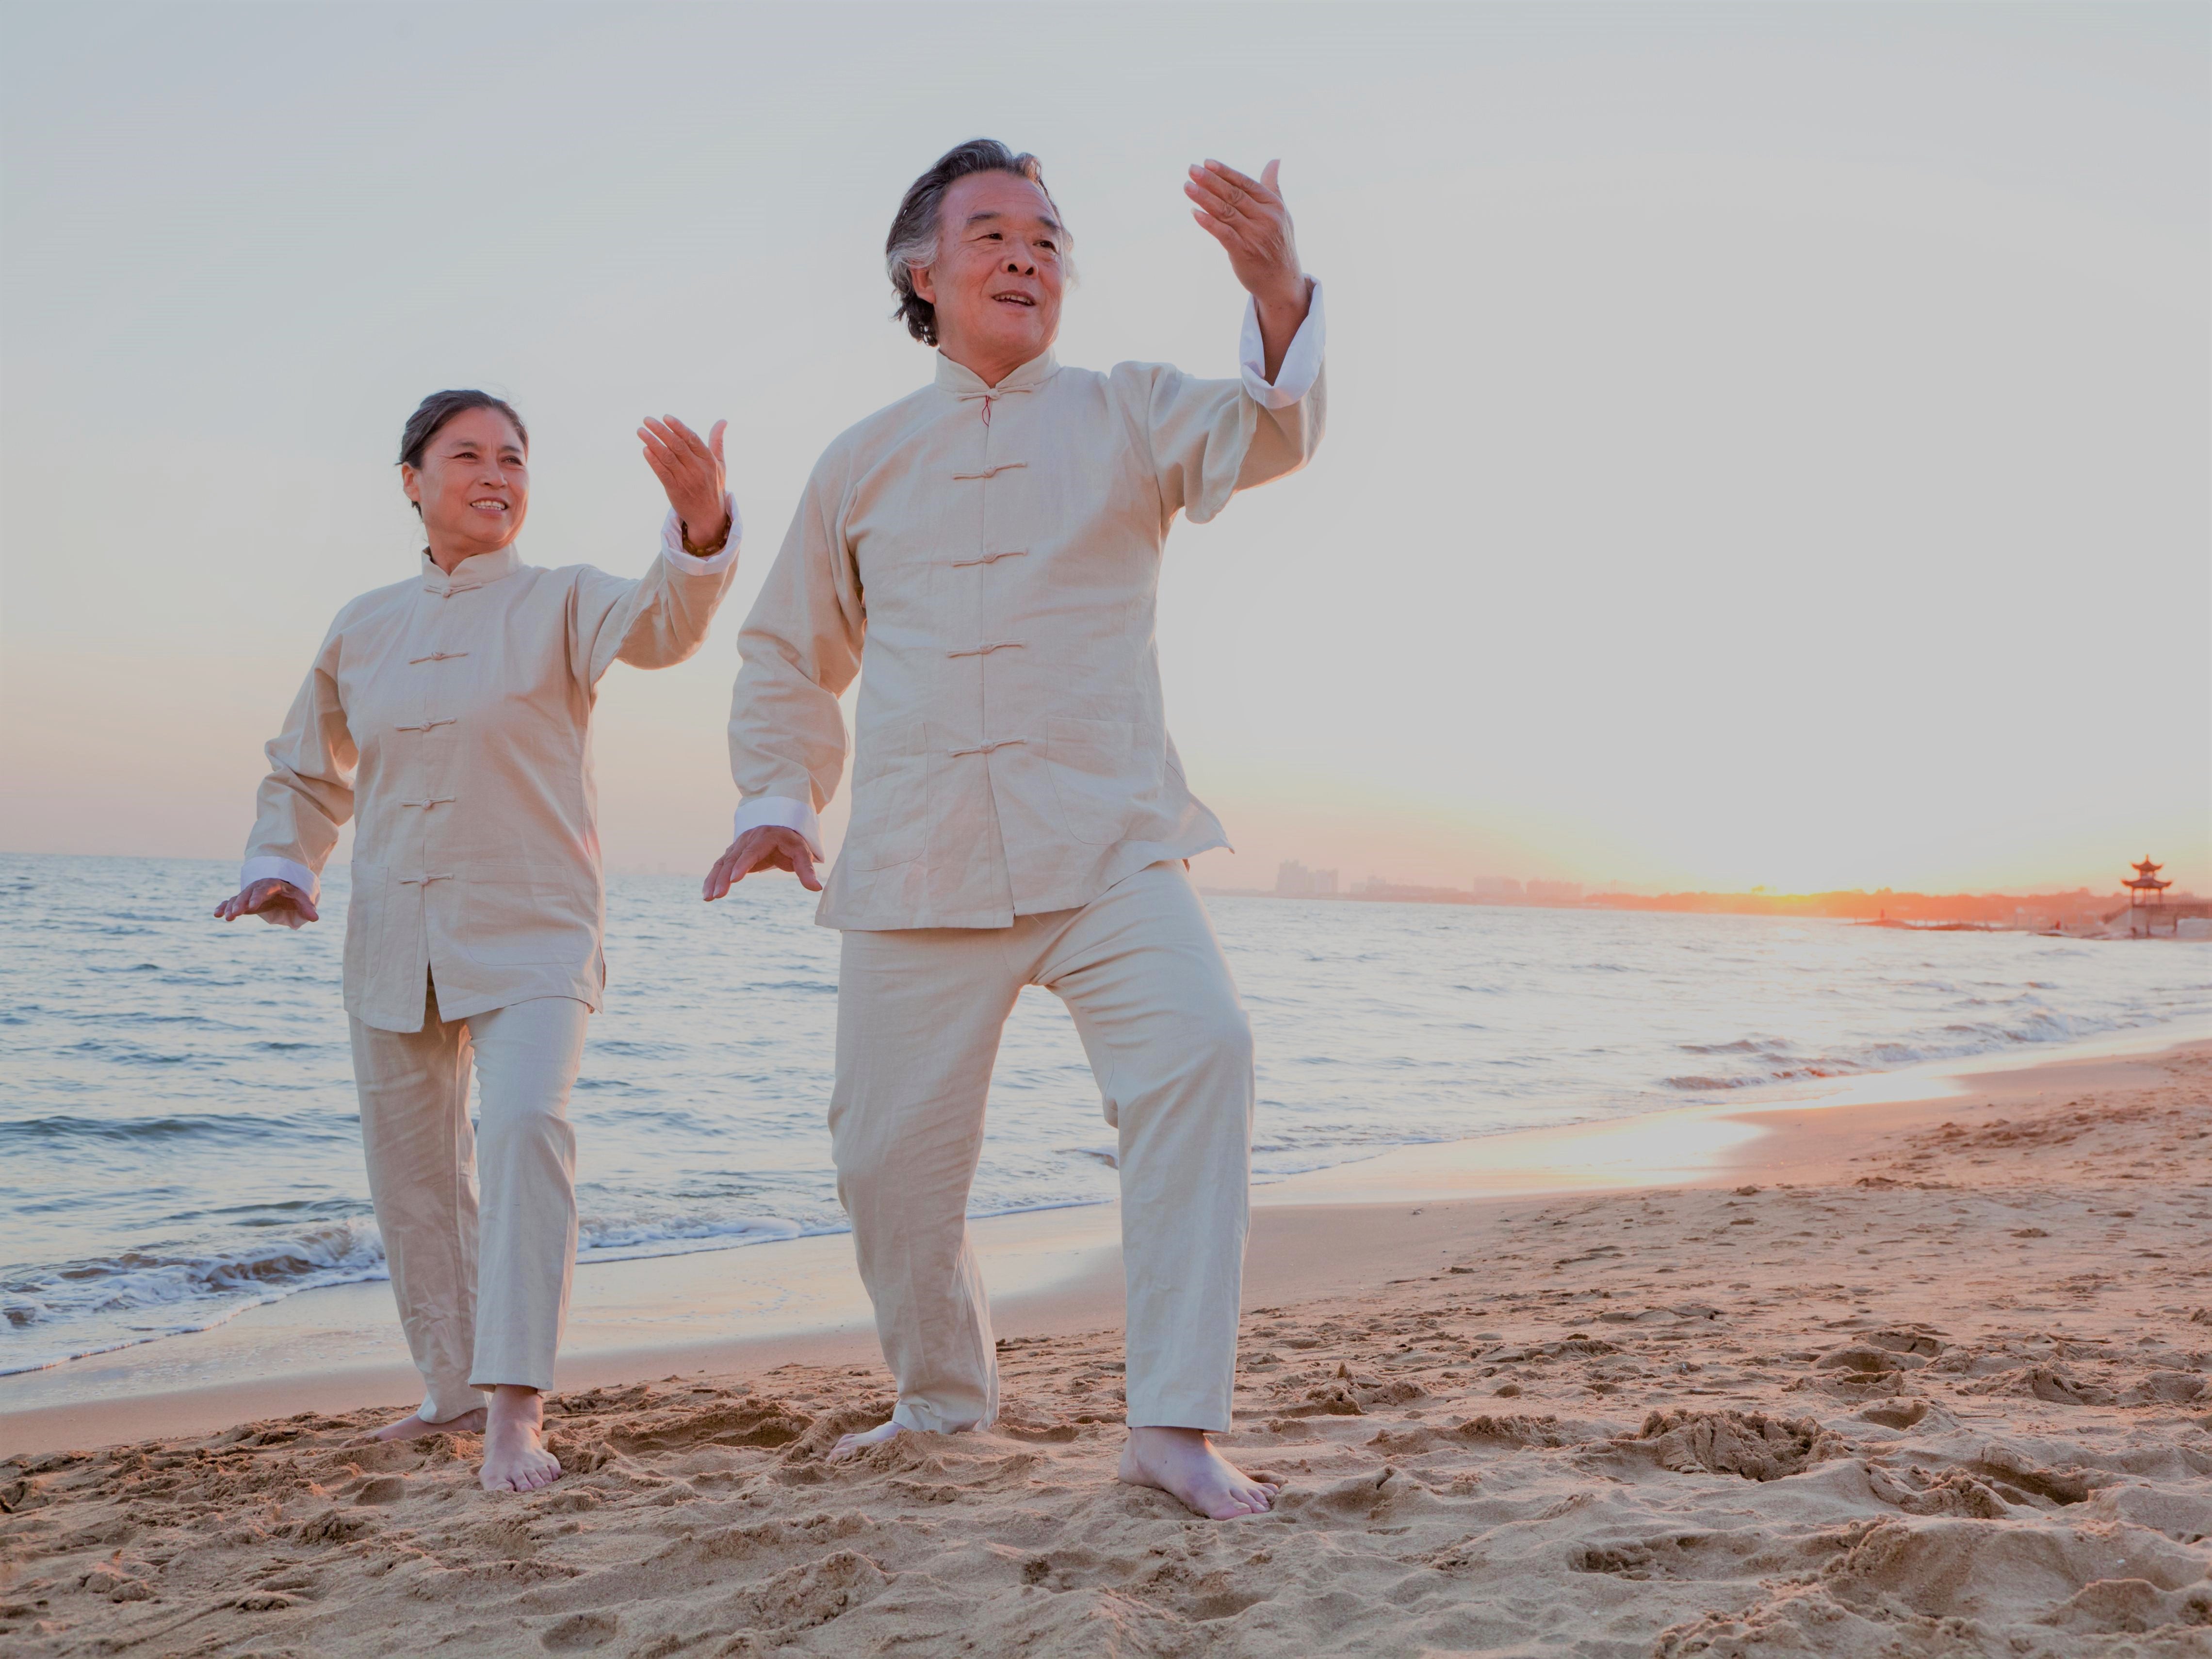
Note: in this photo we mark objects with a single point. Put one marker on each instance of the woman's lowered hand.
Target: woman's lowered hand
(272, 900)
(690, 468)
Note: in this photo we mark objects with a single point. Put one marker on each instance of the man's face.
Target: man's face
(997, 281)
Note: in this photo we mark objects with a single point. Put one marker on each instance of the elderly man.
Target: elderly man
(1019, 814)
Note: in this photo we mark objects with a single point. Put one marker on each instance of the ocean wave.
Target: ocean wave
(1762, 1079)
(140, 1296)
(75, 1309)
(607, 1239)
(145, 1280)
(207, 1127)
(1954, 1040)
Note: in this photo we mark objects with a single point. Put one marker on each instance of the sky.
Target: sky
(1768, 445)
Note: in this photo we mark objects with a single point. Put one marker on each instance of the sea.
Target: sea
(179, 1139)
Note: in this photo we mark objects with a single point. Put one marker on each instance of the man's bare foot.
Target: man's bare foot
(851, 1445)
(515, 1458)
(413, 1426)
(1183, 1463)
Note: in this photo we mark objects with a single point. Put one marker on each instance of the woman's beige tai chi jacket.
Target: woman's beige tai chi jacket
(998, 550)
(452, 715)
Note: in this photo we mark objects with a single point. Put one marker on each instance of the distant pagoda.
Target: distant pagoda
(2147, 899)
(2146, 888)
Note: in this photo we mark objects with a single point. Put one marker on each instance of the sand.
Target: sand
(1904, 1379)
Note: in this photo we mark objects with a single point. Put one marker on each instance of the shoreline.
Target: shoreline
(1052, 1272)
(1921, 1079)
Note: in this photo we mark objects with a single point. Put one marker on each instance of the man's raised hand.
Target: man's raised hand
(270, 899)
(690, 468)
(1249, 218)
(765, 847)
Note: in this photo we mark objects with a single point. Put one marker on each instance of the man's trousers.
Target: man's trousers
(482, 1296)
(919, 1016)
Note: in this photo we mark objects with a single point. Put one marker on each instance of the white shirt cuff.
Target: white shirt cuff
(782, 812)
(672, 543)
(267, 867)
(1301, 364)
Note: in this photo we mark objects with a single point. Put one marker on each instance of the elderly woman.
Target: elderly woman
(451, 713)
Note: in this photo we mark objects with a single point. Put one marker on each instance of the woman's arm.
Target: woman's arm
(306, 798)
(662, 618)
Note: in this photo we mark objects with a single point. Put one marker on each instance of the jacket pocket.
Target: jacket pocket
(891, 801)
(521, 915)
(1101, 776)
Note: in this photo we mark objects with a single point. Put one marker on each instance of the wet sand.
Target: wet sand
(1885, 1377)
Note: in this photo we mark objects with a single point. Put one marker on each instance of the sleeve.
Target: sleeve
(659, 619)
(801, 649)
(1209, 439)
(308, 794)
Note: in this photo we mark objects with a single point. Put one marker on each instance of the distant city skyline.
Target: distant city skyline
(1768, 445)
(1294, 879)
(2144, 907)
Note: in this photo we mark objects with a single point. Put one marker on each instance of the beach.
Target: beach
(1867, 1376)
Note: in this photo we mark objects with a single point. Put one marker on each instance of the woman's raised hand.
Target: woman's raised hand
(271, 899)
(690, 468)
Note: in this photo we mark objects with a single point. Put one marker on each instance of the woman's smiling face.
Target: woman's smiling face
(473, 487)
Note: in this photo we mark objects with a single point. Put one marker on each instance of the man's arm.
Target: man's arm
(1206, 440)
(801, 647)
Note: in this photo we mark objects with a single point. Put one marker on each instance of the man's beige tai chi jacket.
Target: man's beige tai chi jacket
(452, 715)
(998, 550)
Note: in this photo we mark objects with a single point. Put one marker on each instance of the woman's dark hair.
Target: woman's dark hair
(913, 240)
(439, 407)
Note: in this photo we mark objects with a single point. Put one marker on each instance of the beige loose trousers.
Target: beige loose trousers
(479, 1227)
(919, 1011)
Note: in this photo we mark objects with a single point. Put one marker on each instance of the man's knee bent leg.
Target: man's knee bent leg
(1209, 1035)
(1196, 1060)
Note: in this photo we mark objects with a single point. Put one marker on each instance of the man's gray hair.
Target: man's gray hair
(921, 217)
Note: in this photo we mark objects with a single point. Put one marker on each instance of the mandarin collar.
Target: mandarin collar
(964, 382)
(479, 570)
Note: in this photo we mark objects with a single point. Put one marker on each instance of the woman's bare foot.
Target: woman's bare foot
(515, 1458)
(851, 1445)
(1183, 1463)
(413, 1426)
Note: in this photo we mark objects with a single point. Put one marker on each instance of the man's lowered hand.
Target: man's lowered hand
(765, 847)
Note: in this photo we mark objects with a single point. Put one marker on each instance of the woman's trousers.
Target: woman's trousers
(479, 1225)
